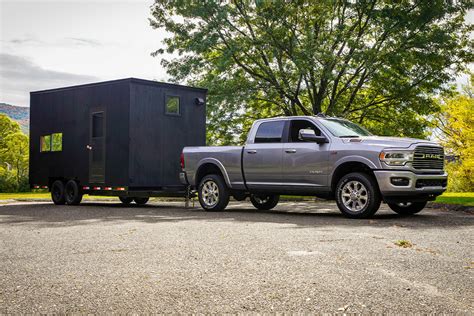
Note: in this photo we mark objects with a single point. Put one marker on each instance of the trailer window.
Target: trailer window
(270, 132)
(172, 105)
(57, 142)
(45, 143)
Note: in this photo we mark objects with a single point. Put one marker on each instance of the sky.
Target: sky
(48, 44)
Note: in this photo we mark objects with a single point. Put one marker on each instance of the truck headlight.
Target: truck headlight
(396, 158)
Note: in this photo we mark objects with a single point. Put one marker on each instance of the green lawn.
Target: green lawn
(466, 198)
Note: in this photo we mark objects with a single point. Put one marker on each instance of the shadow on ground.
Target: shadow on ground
(299, 214)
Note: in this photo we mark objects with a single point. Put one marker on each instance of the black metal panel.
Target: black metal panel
(157, 138)
(142, 143)
(67, 111)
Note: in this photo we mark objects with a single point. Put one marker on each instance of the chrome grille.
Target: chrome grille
(428, 157)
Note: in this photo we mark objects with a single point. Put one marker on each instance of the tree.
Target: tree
(456, 123)
(13, 156)
(376, 62)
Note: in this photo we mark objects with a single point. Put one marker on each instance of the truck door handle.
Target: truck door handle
(252, 151)
(290, 151)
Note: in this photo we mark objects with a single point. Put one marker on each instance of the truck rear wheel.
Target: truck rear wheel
(264, 202)
(57, 193)
(125, 200)
(141, 200)
(213, 193)
(407, 208)
(72, 192)
(357, 195)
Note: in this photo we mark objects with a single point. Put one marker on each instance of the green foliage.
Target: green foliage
(375, 62)
(456, 122)
(13, 156)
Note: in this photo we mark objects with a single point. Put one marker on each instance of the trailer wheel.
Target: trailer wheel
(57, 193)
(407, 208)
(264, 202)
(141, 200)
(213, 193)
(125, 200)
(73, 193)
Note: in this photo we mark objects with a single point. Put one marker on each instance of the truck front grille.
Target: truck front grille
(428, 157)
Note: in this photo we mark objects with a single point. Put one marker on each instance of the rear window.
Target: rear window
(270, 132)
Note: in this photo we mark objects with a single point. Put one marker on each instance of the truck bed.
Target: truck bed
(228, 158)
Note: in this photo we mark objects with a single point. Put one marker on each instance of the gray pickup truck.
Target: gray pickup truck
(318, 156)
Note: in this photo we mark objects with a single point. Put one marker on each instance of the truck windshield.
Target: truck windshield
(343, 128)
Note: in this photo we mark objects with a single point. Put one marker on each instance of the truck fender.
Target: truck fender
(219, 165)
(353, 158)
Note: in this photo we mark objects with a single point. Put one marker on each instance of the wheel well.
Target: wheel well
(205, 169)
(346, 168)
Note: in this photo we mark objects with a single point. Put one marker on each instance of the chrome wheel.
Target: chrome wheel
(354, 196)
(210, 193)
(260, 199)
(404, 204)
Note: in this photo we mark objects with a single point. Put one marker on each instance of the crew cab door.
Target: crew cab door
(305, 164)
(262, 158)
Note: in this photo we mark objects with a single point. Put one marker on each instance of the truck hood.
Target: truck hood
(396, 142)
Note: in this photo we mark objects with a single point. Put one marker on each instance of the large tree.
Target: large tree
(377, 62)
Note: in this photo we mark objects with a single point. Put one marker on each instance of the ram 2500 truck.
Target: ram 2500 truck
(318, 156)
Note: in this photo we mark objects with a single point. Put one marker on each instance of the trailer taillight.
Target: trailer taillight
(181, 160)
(86, 188)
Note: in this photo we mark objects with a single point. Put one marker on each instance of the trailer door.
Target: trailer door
(97, 148)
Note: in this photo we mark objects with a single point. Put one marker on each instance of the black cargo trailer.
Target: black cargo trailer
(121, 137)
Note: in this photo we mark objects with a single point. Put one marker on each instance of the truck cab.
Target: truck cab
(319, 156)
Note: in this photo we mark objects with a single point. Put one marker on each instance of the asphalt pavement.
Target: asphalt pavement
(300, 257)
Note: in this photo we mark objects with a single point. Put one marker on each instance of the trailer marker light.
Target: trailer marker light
(44, 187)
(120, 189)
(108, 188)
(96, 188)
(86, 188)
(36, 187)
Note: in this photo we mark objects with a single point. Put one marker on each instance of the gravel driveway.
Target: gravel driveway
(301, 257)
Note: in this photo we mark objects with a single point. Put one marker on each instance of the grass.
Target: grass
(403, 243)
(463, 198)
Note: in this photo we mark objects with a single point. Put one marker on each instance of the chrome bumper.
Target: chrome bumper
(387, 188)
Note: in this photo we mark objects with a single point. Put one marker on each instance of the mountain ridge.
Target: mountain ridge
(19, 114)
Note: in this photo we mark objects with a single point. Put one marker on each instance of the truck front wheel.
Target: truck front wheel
(407, 208)
(264, 202)
(57, 193)
(213, 193)
(357, 195)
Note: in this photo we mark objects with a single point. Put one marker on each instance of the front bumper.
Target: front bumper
(429, 185)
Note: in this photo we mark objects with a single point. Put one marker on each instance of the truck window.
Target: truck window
(295, 127)
(270, 132)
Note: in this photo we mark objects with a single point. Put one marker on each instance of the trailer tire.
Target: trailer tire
(72, 193)
(357, 195)
(125, 200)
(141, 200)
(213, 193)
(57, 193)
(409, 208)
(264, 202)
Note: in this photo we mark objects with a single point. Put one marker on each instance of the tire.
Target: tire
(213, 193)
(57, 193)
(125, 200)
(408, 208)
(141, 200)
(357, 195)
(72, 193)
(264, 202)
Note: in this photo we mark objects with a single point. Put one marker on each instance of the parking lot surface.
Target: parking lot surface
(300, 257)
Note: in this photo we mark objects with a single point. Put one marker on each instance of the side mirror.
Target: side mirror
(310, 136)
